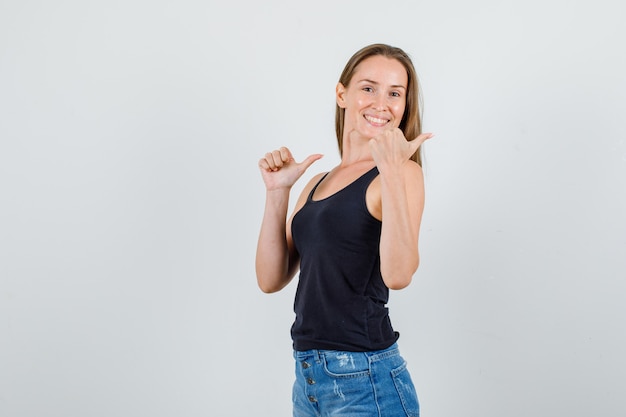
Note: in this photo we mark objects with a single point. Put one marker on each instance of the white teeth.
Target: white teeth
(376, 120)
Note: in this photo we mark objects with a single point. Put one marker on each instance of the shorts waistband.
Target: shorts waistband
(373, 356)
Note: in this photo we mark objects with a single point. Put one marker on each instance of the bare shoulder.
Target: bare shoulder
(309, 186)
(412, 168)
(413, 174)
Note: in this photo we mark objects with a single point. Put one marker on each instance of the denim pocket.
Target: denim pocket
(339, 364)
(406, 390)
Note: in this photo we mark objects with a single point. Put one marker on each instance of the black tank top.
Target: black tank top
(341, 299)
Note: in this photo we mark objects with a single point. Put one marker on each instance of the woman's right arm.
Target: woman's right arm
(276, 258)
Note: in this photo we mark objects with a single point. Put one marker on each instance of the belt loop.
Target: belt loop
(316, 354)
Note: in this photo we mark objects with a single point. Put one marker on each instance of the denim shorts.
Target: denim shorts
(353, 384)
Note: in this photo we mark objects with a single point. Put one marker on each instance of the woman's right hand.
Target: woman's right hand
(280, 170)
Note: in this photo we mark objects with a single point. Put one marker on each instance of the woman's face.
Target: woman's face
(375, 99)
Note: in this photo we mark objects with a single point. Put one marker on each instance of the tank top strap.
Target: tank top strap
(360, 185)
(368, 177)
(316, 185)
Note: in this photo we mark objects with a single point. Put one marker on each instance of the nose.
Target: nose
(380, 102)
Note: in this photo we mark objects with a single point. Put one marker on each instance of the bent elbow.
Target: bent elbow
(270, 285)
(267, 289)
(266, 286)
(398, 284)
(399, 280)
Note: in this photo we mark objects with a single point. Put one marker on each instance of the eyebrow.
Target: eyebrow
(374, 82)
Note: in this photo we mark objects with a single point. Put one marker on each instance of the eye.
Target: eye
(395, 94)
(368, 89)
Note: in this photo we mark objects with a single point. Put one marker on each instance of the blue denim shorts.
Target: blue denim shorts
(353, 384)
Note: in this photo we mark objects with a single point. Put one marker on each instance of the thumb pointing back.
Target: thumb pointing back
(417, 142)
(304, 165)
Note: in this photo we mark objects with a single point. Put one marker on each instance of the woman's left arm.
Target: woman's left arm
(402, 204)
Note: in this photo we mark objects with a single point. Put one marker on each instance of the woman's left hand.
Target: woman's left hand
(391, 148)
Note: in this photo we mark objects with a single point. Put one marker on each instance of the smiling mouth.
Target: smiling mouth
(376, 121)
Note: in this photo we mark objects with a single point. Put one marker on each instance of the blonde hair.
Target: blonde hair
(411, 124)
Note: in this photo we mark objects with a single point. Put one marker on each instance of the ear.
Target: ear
(340, 92)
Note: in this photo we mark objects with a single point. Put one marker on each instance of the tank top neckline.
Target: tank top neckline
(310, 198)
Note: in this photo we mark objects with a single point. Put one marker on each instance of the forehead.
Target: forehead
(381, 69)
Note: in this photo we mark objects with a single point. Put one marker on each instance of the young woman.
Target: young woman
(353, 235)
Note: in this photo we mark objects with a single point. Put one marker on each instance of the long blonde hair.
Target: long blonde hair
(411, 124)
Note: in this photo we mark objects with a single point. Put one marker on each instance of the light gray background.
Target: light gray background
(130, 201)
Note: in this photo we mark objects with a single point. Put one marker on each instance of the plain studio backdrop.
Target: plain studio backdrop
(130, 201)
